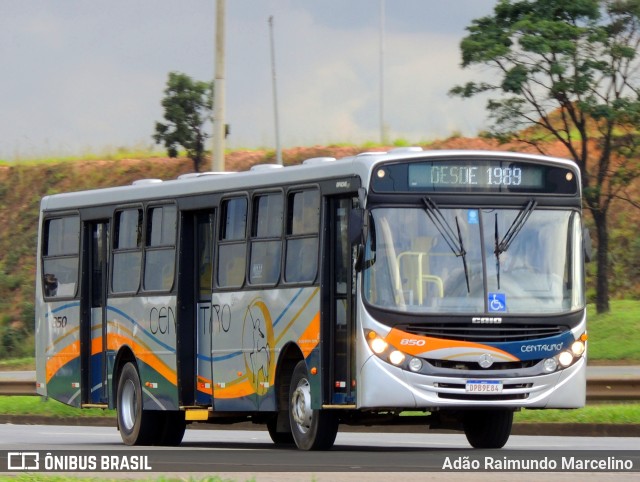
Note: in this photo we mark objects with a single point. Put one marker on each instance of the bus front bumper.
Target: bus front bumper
(385, 386)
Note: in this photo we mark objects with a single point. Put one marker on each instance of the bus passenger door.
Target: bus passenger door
(338, 304)
(93, 325)
(203, 259)
(193, 347)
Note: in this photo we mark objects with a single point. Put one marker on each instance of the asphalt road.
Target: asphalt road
(231, 451)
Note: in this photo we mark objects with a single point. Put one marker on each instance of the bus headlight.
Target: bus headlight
(390, 354)
(565, 358)
(415, 364)
(550, 365)
(396, 357)
(378, 345)
(577, 348)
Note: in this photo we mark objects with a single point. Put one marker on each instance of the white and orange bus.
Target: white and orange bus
(449, 284)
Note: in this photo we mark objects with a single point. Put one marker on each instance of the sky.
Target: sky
(80, 77)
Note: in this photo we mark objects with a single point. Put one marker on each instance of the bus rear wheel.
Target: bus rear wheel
(136, 425)
(311, 429)
(488, 429)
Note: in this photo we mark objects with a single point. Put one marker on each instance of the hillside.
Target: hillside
(23, 185)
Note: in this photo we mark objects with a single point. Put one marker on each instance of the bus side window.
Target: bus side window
(160, 253)
(127, 251)
(303, 220)
(266, 243)
(60, 257)
(232, 248)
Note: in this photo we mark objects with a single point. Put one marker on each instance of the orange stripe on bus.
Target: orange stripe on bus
(234, 390)
(310, 338)
(61, 358)
(297, 315)
(52, 346)
(396, 338)
(115, 341)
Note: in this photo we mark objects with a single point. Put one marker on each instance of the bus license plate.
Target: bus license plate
(483, 386)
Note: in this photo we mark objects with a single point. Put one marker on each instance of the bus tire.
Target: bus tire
(136, 426)
(311, 429)
(279, 438)
(488, 429)
(173, 426)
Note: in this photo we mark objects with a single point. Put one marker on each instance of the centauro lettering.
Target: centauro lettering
(161, 320)
(536, 348)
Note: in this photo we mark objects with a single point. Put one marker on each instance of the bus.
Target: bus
(439, 288)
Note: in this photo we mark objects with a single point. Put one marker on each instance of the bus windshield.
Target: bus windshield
(524, 260)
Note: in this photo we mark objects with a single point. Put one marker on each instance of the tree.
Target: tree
(188, 105)
(567, 71)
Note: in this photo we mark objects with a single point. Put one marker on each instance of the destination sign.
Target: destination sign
(474, 176)
(481, 176)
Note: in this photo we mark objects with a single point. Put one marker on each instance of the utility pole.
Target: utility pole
(275, 93)
(383, 137)
(217, 158)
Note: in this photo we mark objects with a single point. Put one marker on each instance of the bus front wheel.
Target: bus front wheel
(311, 429)
(488, 429)
(136, 425)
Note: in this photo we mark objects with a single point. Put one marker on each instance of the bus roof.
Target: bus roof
(266, 175)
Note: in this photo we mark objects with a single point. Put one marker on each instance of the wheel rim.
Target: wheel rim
(128, 405)
(301, 406)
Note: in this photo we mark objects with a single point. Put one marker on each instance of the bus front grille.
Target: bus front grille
(470, 366)
(484, 333)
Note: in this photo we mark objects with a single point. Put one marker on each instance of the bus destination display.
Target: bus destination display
(454, 175)
(460, 175)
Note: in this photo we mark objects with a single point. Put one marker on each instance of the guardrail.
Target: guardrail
(598, 389)
(17, 387)
(613, 389)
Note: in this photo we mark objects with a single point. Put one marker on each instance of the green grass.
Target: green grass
(139, 151)
(603, 413)
(26, 405)
(622, 414)
(26, 363)
(615, 336)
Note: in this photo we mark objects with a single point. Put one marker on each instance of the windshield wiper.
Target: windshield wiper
(517, 224)
(455, 244)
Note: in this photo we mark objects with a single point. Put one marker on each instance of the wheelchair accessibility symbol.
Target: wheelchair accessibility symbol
(497, 302)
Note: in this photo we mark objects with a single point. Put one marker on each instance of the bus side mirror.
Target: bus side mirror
(587, 245)
(357, 235)
(356, 223)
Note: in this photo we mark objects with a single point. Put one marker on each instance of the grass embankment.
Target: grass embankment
(616, 414)
(605, 413)
(614, 337)
(51, 408)
(15, 364)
